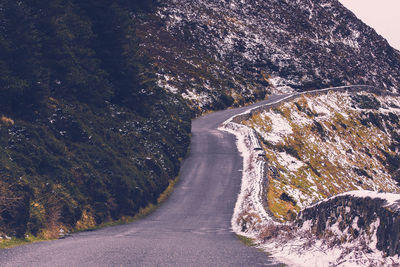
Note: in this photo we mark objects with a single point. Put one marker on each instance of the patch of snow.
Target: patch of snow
(318, 107)
(374, 229)
(297, 251)
(201, 98)
(289, 162)
(302, 200)
(390, 198)
(280, 128)
(299, 119)
(280, 85)
(249, 199)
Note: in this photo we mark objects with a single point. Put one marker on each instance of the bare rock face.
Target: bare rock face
(210, 50)
(355, 216)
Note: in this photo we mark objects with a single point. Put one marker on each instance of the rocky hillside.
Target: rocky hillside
(349, 216)
(212, 51)
(358, 228)
(301, 159)
(320, 146)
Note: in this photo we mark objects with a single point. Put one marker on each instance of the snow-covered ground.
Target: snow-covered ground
(298, 247)
(249, 213)
(200, 48)
(325, 145)
(301, 248)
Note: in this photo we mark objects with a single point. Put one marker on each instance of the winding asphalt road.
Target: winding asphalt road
(192, 228)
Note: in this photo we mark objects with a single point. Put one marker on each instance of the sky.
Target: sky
(382, 15)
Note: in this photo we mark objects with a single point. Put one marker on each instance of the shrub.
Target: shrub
(285, 197)
(366, 102)
(274, 230)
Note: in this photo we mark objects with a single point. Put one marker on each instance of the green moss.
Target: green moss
(246, 240)
(14, 242)
(256, 120)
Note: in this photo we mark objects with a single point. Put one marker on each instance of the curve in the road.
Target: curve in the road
(192, 228)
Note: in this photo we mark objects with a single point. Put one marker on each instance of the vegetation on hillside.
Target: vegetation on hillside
(86, 135)
(318, 147)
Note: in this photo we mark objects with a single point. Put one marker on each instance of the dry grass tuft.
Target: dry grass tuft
(276, 230)
(86, 222)
(6, 121)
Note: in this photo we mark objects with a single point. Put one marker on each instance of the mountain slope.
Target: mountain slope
(320, 146)
(86, 134)
(211, 50)
(301, 159)
(96, 98)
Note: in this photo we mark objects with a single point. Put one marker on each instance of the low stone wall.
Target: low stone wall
(346, 211)
(343, 210)
(351, 88)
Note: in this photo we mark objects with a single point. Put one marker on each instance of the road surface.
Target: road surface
(192, 228)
